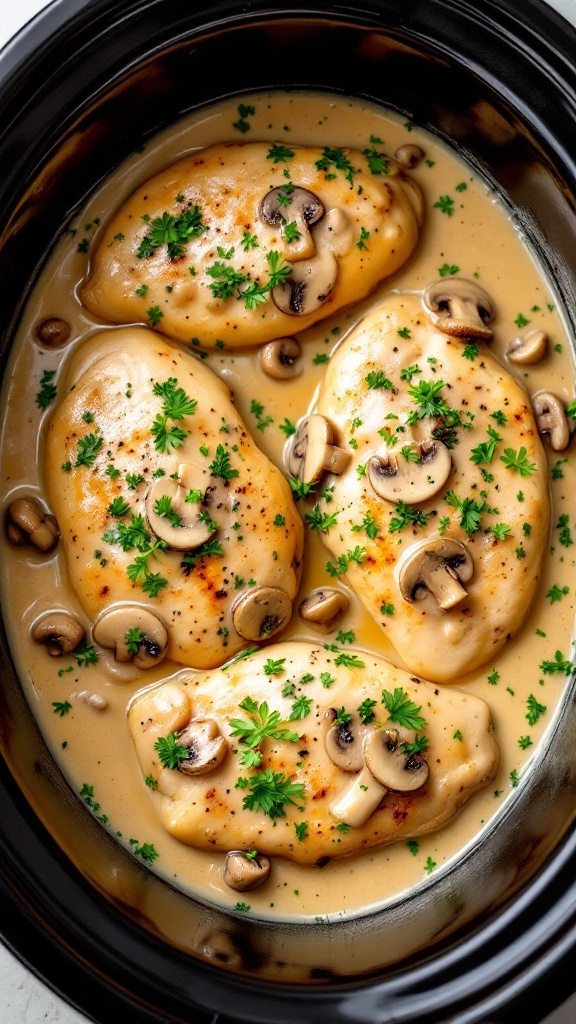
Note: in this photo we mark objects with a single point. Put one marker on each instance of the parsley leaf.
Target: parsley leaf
(559, 664)
(518, 461)
(173, 232)
(262, 723)
(88, 448)
(270, 791)
(402, 710)
(47, 391)
(170, 751)
(220, 466)
(335, 158)
(406, 515)
(470, 511)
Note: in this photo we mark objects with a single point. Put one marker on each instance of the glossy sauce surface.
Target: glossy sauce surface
(473, 233)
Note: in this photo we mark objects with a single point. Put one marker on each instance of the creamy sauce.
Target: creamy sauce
(92, 745)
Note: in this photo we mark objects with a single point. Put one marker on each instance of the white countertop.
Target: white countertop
(25, 999)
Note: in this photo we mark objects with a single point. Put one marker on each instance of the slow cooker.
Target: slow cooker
(80, 88)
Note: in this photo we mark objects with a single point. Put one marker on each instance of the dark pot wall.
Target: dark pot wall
(81, 88)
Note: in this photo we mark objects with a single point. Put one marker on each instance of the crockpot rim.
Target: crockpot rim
(569, 844)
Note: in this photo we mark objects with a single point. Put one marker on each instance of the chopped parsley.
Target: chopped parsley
(175, 406)
(518, 461)
(365, 710)
(220, 467)
(445, 204)
(402, 710)
(61, 707)
(378, 379)
(559, 664)
(534, 710)
(88, 448)
(406, 515)
(279, 153)
(173, 232)
(335, 158)
(170, 750)
(470, 511)
(47, 391)
(270, 791)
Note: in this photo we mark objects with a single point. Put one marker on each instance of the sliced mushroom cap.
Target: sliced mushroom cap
(244, 873)
(293, 205)
(460, 308)
(205, 744)
(438, 566)
(308, 285)
(323, 607)
(359, 801)
(343, 742)
(60, 631)
(409, 155)
(280, 359)
(551, 419)
(134, 634)
(389, 763)
(261, 612)
(185, 524)
(528, 348)
(27, 522)
(397, 478)
(53, 332)
(311, 452)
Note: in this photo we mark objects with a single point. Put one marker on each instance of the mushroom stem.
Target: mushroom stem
(443, 582)
(436, 566)
(359, 801)
(312, 453)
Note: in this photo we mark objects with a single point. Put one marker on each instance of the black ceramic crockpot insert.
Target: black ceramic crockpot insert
(81, 87)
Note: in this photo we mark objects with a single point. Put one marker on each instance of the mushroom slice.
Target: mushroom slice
(528, 348)
(409, 156)
(53, 332)
(311, 453)
(243, 873)
(60, 631)
(343, 742)
(438, 566)
(397, 478)
(134, 634)
(205, 744)
(389, 763)
(308, 285)
(359, 801)
(460, 308)
(28, 523)
(174, 519)
(261, 612)
(297, 207)
(323, 607)
(279, 359)
(551, 419)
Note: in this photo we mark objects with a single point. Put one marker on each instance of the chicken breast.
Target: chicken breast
(303, 753)
(243, 243)
(165, 502)
(440, 517)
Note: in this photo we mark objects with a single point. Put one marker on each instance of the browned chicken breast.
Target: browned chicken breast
(243, 243)
(356, 749)
(440, 512)
(175, 525)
